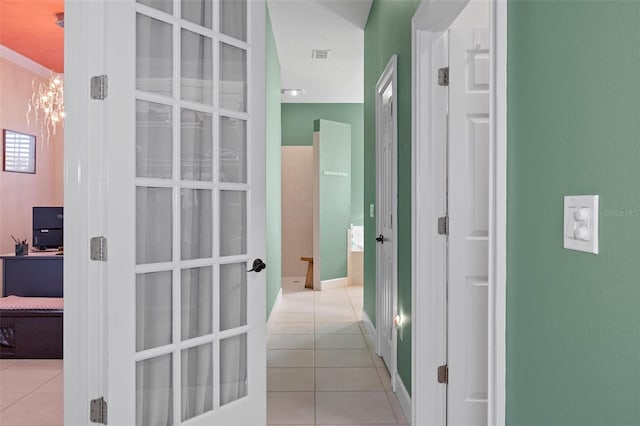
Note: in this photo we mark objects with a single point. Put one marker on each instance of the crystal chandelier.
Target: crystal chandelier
(47, 101)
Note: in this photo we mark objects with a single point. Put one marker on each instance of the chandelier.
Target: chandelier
(47, 102)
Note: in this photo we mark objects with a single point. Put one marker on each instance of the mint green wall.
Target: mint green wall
(297, 129)
(573, 319)
(388, 32)
(335, 195)
(273, 137)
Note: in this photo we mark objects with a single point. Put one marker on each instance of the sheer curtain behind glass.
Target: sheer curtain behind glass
(180, 192)
(154, 218)
(197, 320)
(233, 204)
(196, 216)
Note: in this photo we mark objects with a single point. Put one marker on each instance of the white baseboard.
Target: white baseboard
(275, 305)
(368, 325)
(334, 283)
(403, 397)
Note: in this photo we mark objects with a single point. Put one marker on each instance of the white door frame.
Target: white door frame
(84, 318)
(430, 21)
(388, 76)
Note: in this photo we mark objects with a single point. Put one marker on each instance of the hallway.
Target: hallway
(322, 368)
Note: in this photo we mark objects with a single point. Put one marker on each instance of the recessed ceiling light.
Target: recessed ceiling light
(292, 92)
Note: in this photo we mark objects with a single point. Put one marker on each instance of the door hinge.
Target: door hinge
(99, 87)
(443, 76)
(98, 249)
(98, 411)
(443, 225)
(443, 374)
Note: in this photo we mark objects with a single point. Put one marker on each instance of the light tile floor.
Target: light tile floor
(322, 369)
(31, 392)
(321, 366)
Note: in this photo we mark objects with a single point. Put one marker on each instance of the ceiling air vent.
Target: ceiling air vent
(320, 54)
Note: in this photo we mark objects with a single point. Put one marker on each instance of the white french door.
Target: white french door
(185, 203)
(386, 200)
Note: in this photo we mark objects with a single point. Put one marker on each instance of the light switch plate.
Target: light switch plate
(581, 223)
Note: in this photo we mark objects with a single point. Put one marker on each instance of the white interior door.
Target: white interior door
(468, 217)
(185, 212)
(386, 290)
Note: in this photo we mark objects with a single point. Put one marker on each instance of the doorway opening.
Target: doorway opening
(31, 212)
(345, 352)
(459, 185)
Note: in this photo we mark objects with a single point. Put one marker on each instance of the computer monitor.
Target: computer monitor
(48, 227)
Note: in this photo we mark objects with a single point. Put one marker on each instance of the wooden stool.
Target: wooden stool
(308, 283)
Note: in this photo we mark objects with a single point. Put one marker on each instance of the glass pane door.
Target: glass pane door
(192, 192)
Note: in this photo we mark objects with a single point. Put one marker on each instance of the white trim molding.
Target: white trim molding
(85, 334)
(403, 396)
(334, 283)
(368, 324)
(430, 21)
(274, 307)
(428, 261)
(498, 215)
(23, 61)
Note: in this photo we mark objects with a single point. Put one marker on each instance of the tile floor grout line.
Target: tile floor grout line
(391, 403)
(15, 402)
(363, 335)
(28, 393)
(36, 389)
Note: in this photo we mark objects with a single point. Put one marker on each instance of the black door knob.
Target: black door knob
(258, 265)
(380, 239)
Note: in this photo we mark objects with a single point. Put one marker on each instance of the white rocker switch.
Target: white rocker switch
(581, 223)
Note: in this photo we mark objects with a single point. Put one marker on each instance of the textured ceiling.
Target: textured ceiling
(29, 28)
(299, 26)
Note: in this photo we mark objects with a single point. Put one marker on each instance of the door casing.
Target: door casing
(84, 318)
(430, 21)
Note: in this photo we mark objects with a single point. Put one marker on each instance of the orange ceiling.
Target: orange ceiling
(29, 27)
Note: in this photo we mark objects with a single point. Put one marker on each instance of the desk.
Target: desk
(38, 274)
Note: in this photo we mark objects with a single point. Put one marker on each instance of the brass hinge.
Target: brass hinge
(443, 374)
(98, 411)
(443, 225)
(443, 76)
